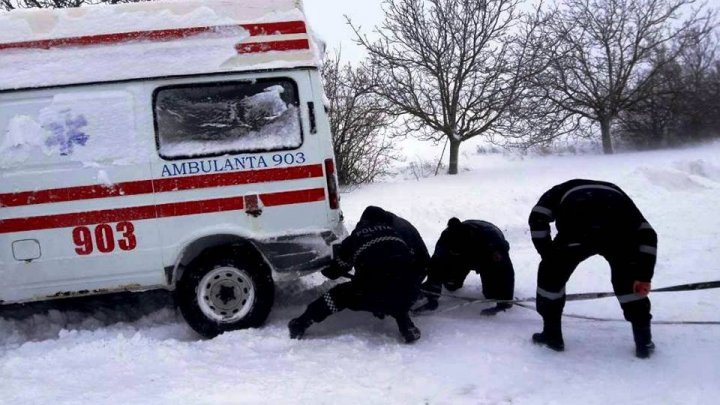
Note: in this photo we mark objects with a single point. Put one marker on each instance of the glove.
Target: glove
(431, 290)
(552, 250)
(333, 271)
(453, 285)
(500, 307)
(545, 252)
(641, 288)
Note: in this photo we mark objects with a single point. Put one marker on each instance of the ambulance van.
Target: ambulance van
(178, 145)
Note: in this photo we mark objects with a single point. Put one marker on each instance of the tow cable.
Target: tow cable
(522, 302)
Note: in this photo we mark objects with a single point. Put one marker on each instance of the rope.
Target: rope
(522, 302)
(593, 318)
(589, 295)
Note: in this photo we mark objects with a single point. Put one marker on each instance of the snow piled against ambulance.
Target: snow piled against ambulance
(139, 40)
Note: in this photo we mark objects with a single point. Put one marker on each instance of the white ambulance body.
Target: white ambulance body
(179, 145)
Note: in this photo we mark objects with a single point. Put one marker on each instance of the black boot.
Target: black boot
(316, 312)
(407, 328)
(500, 307)
(644, 346)
(551, 336)
(428, 301)
(298, 326)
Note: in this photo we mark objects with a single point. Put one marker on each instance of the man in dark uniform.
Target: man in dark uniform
(407, 232)
(385, 282)
(471, 245)
(593, 217)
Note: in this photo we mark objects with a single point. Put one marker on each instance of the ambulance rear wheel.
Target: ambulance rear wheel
(225, 288)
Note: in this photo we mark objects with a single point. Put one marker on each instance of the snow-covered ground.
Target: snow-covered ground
(137, 349)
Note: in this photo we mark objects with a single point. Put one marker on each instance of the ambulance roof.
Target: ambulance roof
(47, 47)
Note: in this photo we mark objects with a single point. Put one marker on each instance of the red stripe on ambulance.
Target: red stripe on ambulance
(292, 197)
(75, 193)
(75, 219)
(258, 47)
(277, 28)
(157, 211)
(161, 185)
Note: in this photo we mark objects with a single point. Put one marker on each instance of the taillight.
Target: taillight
(333, 197)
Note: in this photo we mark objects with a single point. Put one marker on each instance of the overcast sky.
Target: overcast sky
(327, 20)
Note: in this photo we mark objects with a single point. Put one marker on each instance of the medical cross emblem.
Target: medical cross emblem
(66, 133)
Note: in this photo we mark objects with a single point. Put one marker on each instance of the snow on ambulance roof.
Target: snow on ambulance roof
(46, 47)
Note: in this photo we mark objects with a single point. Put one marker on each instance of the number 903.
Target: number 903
(288, 158)
(103, 239)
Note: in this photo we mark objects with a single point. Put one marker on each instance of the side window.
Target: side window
(208, 119)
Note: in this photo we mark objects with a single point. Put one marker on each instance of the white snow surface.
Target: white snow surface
(137, 349)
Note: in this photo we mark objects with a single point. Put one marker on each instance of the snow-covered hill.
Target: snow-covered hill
(137, 349)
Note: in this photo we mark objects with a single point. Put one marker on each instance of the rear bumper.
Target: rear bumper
(293, 256)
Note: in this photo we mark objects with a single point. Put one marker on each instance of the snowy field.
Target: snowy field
(137, 349)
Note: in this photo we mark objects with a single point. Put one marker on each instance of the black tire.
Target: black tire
(225, 288)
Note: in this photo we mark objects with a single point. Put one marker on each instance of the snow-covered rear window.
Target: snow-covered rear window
(227, 117)
(91, 125)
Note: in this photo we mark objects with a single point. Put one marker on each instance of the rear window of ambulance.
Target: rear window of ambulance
(91, 125)
(211, 119)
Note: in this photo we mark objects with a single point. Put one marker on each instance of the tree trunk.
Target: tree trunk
(454, 155)
(605, 124)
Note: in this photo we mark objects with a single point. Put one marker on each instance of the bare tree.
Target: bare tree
(684, 105)
(700, 92)
(651, 122)
(13, 4)
(602, 63)
(358, 123)
(449, 69)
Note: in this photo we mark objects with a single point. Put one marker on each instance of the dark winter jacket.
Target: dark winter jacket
(382, 260)
(598, 215)
(473, 245)
(407, 232)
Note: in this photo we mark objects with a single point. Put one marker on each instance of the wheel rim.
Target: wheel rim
(226, 294)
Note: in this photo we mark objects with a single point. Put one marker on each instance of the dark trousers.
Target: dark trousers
(497, 276)
(555, 270)
(354, 297)
(498, 279)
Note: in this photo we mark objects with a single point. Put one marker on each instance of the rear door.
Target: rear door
(76, 202)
